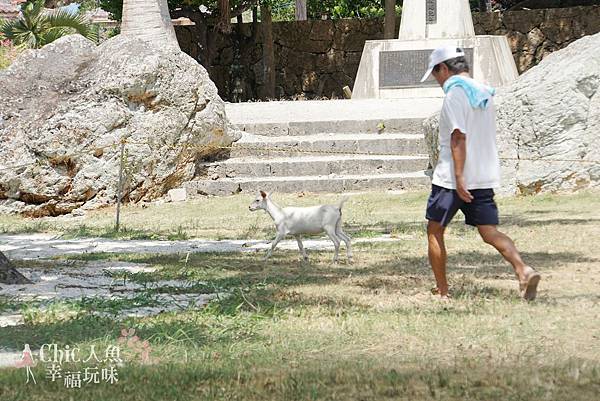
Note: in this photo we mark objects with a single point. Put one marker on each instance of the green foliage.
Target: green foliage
(113, 7)
(37, 27)
(336, 9)
(282, 10)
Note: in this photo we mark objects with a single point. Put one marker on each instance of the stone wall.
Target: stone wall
(533, 34)
(313, 58)
(316, 59)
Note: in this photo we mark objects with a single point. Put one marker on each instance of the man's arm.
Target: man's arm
(458, 145)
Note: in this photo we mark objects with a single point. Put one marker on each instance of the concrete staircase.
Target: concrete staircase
(320, 156)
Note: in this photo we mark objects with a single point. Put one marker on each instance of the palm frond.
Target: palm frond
(21, 32)
(37, 8)
(52, 34)
(37, 27)
(75, 22)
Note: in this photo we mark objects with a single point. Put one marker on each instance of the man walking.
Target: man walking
(468, 168)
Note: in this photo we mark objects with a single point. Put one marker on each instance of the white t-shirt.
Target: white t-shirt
(482, 166)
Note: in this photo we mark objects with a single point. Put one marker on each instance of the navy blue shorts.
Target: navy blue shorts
(444, 203)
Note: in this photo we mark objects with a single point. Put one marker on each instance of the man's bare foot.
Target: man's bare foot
(444, 298)
(528, 284)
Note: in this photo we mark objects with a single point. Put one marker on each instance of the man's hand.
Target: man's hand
(461, 189)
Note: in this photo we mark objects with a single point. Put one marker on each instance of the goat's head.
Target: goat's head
(260, 202)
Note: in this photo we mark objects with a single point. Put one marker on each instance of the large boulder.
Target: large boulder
(65, 108)
(548, 123)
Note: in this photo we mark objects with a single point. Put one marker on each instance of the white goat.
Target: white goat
(305, 220)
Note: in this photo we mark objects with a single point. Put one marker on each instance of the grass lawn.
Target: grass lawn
(286, 330)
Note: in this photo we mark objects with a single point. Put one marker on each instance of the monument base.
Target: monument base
(392, 69)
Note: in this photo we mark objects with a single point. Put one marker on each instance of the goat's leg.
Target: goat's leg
(279, 237)
(336, 242)
(341, 234)
(347, 240)
(301, 248)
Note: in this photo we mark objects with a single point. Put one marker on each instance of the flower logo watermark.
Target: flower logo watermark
(134, 347)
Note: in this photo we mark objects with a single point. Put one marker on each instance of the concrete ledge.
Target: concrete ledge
(324, 184)
(390, 125)
(331, 110)
(317, 165)
(330, 144)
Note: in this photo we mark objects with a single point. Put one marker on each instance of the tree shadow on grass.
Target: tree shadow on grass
(189, 327)
(221, 271)
(325, 376)
(85, 328)
(259, 290)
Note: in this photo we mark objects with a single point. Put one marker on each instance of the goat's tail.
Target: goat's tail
(341, 204)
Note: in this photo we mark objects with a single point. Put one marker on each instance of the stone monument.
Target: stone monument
(393, 68)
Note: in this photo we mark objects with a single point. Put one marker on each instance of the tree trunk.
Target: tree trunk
(268, 52)
(150, 21)
(10, 275)
(485, 6)
(301, 12)
(390, 20)
(224, 16)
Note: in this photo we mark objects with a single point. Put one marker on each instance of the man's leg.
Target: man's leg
(437, 255)
(504, 245)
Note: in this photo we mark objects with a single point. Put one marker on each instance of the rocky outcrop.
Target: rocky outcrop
(64, 110)
(549, 123)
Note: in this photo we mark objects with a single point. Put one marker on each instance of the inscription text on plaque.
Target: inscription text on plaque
(405, 68)
(431, 12)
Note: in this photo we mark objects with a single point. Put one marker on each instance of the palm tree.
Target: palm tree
(37, 27)
(150, 21)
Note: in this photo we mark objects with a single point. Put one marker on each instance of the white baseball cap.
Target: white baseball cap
(440, 55)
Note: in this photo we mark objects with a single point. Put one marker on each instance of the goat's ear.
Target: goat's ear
(263, 194)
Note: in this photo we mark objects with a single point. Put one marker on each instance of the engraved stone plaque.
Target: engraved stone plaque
(431, 12)
(405, 68)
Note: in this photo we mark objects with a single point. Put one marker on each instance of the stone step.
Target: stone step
(316, 165)
(373, 126)
(329, 144)
(331, 110)
(294, 184)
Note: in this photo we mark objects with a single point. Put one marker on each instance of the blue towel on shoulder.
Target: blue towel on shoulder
(477, 93)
